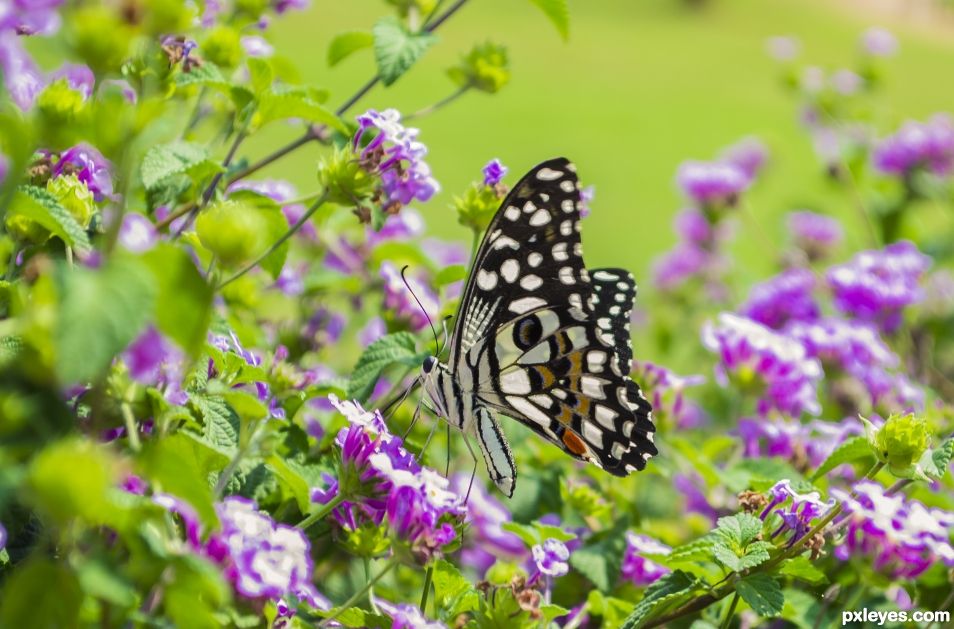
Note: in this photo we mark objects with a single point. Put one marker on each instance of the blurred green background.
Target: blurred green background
(640, 86)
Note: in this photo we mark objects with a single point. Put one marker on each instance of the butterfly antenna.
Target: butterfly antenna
(426, 316)
(444, 330)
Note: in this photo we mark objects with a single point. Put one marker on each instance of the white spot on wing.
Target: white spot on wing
(526, 304)
(509, 270)
(540, 217)
(592, 387)
(531, 282)
(512, 213)
(515, 381)
(566, 276)
(567, 186)
(531, 412)
(559, 252)
(548, 174)
(486, 280)
(605, 416)
(593, 434)
(534, 259)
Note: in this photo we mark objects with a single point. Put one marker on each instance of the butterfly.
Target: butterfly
(543, 340)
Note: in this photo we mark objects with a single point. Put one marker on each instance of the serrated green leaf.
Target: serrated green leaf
(207, 74)
(284, 102)
(184, 298)
(935, 462)
(259, 74)
(452, 591)
(667, 588)
(345, 44)
(39, 205)
(696, 550)
(176, 158)
(726, 556)
(762, 593)
(802, 568)
(551, 611)
(221, 425)
(180, 464)
(388, 350)
(850, 450)
(739, 529)
(599, 559)
(558, 12)
(396, 49)
(100, 312)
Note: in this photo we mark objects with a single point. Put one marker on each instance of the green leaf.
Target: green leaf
(536, 533)
(551, 611)
(357, 617)
(260, 74)
(739, 529)
(935, 462)
(80, 494)
(40, 593)
(184, 298)
(221, 426)
(100, 312)
(283, 102)
(762, 593)
(696, 550)
(39, 205)
(850, 450)
(103, 581)
(388, 350)
(450, 274)
(396, 49)
(207, 74)
(802, 568)
(667, 588)
(558, 12)
(176, 158)
(453, 592)
(600, 558)
(345, 44)
(181, 464)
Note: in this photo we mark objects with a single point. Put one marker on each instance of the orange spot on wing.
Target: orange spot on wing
(573, 443)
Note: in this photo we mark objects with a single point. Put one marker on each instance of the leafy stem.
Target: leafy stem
(427, 588)
(447, 100)
(731, 612)
(278, 243)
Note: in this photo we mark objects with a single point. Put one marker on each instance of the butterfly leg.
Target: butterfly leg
(495, 449)
(473, 472)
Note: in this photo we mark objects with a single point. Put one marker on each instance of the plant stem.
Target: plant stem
(427, 588)
(358, 595)
(182, 211)
(731, 612)
(278, 243)
(132, 430)
(321, 513)
(439, 104)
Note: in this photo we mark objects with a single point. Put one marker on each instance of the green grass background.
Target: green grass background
(640, 86)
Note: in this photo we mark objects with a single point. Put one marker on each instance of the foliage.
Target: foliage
(207, 380)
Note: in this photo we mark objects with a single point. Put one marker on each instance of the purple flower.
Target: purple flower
(137, 233)
(262, 558)
(711, 183)
(695, 500)
(636, 567)
(405, 616)
(154, 361)
(786, 297)
(189, 516)
(406, 224)
(815, 234)
(396, 156)
(551, 557)
(667, 389)
(587, 194)
(928, 145)
(372, 331)
(486, 540)
(902, 537)
(127, 90)
(793, 441)
(799, 511)
(399, 299)
(682, 263)
(694, 228)
(275, 189)
(494, 171)
(291, 280)
(90, 167)
(875, 286)
(281, 6)
(846, 82)
(879, 42)
(21, 76)
(77, 76)
(748, 155)
(257, 46)
(775, 365)
(30, 17)
(782, 47)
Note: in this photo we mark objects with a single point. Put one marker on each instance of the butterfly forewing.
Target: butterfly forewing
(540, 339)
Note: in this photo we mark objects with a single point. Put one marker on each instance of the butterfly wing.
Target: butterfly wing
(539, 341)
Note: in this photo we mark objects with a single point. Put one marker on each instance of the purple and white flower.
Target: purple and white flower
(551, 557)
(636, 567)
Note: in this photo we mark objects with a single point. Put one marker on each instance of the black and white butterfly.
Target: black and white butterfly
(543, 340)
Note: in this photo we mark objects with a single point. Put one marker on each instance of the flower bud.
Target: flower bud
(223, 47)
(485, 68)
(74, 196)
(900, 442)
(477, 207)
(233, 231)
(344, 180)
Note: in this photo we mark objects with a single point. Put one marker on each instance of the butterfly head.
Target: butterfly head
(429, 363)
